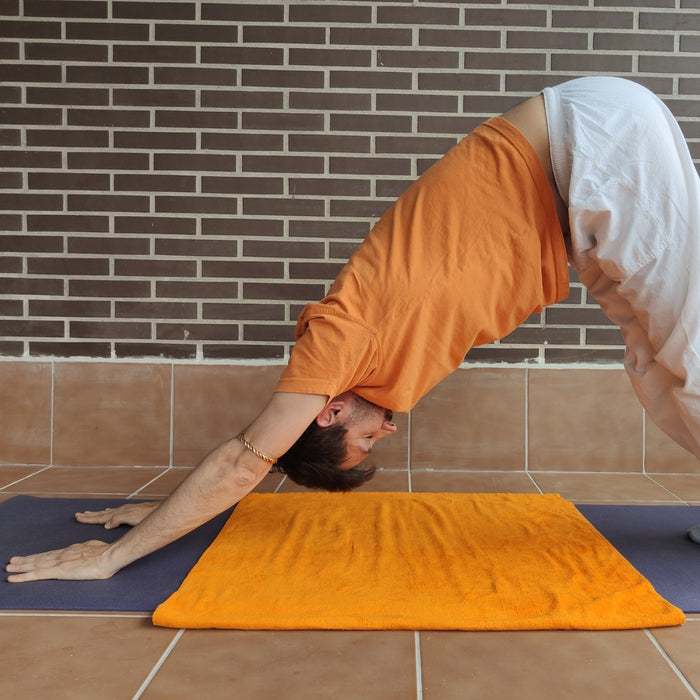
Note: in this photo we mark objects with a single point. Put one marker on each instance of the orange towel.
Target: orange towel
(412, 561)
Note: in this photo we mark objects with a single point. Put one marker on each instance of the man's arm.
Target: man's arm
(224, 477)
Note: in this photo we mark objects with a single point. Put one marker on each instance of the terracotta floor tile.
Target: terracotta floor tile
(78, 658)
(9, 475)
(383, 480)
(682, 645)
(663, 455)
(546, 664)
(112, 481)
(603, 487)
(439, 481)
(304, 664)
(685, 486)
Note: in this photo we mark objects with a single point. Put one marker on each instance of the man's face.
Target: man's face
(366, 423)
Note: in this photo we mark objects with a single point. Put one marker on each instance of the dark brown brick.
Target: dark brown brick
(10, 180)
(109, 329)
(341, 250)
(128, 75)
(281, 121)
(69, 349)
(27, 328)
(200, 162)
(358, 208)
(29, 115)
(419, 145)
(196, 205)
(67, 96)
(242, 55)
(330, 143)
(154, 98)
(668, 64)
(155, 268)
(235, 99)
(371, 36)
(29, 286)
(461, 81)
(418, 59)
(151, 349)
(283, 34)
(242, 352)
(196, 76)
(434, 124)
(33, 244)
(278, 78)
(199, 119)
(555, 355)
(65, 52)
(196, 248)
(371, 123)
(154, 183)
(242, 185)
(289, 291)
(282, 249)
(606, 41)
(68, 138)
(19, 201)
(109, 117)
(227, 141)
(65, 8)
(242, 269)
(12, 307)
(604, 336)
(393, 189)
(276, 332)
(212, 226)
(283, 207)
(281, 164)
(107, 202)
(109, 31)
(200, 289)
(154, 225)
(11, 222)
(153, 53)
(154, 140)
(31, 159)
(100, 160)
(571, 41)
(129, 9)
(329, 187)
(68, 181)
(329, 14)
(67, 266)
(580, 316)
(321, 229)
(499, 353)
(592, 19)
(396, 102)
(327, 101)
(240, 12)
(199, 33)
(330, 57)
(594, 63)
(9, 51)
(504, 17)
(466, 38)
(388, 80)
(39, 29)
(67, 223)
(69, 308)
(243, 312)
(539, 336)
(674, 21)
(109, 289)
(505, 60)
(10, 94)
(314, 270)
(108, 245)
(197, 331)
(155, 309)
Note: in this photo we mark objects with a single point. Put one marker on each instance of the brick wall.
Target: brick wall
(179, 178)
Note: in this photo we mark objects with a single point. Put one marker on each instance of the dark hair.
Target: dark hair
(314, 460)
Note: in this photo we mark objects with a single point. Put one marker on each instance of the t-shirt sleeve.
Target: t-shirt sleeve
(333, 353)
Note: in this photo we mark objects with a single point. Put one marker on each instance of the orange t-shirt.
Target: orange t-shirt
(462, 258)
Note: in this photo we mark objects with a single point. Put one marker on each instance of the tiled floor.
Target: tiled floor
(73, 655)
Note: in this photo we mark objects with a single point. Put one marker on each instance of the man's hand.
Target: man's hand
(128, 514)
(77, 562)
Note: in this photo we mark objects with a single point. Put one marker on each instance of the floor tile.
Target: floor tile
(663, 455)
(473, 419)
(439, 481)
(546, 664)
(602, 487)
(112, 414)
(10, 475)
(25, 397)
(685, 486)
(78, 657)
(112, 481)
(383, 480)
(304, 664)
(682, 645)
(584, 420)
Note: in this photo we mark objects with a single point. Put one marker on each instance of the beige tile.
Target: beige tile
(112, 414)
(663, 455)
(603, 488)
(389, 480)
(682, 645)
(25, 407)
(684, 486)
(474, 419)
(165, 484)
(78, 658)
(10, 475)
(392, 451)
(471, 482)
(103, 481)
(546, 664)
(584, 420)
(213, 403)
(304, 664)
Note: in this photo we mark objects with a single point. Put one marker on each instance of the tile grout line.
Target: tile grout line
(672, 664)
(419, 667)
(158, 665)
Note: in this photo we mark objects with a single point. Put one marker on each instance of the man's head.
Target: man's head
(327, 454)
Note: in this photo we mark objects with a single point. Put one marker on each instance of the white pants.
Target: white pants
(622, 166)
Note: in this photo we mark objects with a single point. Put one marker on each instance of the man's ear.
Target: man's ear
(332, 413)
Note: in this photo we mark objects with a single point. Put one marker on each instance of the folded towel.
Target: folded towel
(412, 561)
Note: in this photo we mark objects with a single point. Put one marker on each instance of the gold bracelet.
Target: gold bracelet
(254, 450)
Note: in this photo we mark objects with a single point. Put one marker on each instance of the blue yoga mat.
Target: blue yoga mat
(652, 538)
(29, 524)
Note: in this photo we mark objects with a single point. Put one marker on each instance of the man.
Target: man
(597, 168)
